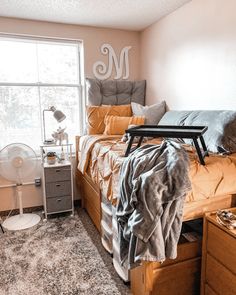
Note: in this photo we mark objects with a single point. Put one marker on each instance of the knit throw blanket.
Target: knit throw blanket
(154, 182)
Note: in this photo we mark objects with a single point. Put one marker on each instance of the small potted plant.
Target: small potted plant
(51, 158)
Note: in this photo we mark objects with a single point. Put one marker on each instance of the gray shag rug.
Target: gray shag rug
(61, 256)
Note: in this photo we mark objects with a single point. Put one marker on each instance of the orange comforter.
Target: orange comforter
(101, 157)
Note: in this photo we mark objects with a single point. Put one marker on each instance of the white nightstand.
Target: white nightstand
(57, 180)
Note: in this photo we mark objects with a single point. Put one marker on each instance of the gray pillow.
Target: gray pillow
(152, 114)
(221, 133)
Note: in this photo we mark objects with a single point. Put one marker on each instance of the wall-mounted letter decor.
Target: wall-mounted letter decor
(102, 72)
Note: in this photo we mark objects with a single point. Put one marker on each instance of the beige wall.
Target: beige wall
(92, 39)
(189, 57)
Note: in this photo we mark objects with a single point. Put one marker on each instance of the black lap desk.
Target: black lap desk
(170, 131)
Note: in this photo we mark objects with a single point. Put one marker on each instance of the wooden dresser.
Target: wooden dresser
(218, 275)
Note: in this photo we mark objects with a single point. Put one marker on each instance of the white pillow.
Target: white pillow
(152, 114)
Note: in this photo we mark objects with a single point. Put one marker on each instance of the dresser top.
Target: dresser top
(212, 218)
(57, 164)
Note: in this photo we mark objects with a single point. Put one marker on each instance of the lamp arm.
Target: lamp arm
(44, 128)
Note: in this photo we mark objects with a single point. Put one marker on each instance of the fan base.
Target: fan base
(18, 222)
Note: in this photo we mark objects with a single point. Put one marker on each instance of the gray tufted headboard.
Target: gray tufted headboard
(115, 92)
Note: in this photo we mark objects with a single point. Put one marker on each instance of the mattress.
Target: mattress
(101, 158)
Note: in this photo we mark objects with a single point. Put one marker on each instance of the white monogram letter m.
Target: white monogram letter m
(102, 72)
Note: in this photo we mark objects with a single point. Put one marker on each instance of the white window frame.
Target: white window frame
(79, 85)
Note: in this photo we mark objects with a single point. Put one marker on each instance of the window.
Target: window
(34, 75)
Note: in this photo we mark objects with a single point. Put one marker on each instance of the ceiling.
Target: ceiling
(120, 14)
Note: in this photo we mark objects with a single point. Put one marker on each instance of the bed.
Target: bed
(213, 187)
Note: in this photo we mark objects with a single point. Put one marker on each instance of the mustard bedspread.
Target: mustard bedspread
(101, 156)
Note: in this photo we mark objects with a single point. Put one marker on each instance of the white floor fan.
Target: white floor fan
(17, 163)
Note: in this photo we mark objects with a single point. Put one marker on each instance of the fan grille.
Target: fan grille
(18, 161)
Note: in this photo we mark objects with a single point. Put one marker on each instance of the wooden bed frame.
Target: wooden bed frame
(179, 276)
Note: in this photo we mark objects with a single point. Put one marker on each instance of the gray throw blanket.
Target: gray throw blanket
(153, 185)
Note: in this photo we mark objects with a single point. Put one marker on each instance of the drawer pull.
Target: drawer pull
(58, 170)
(58, 200)
(58, 184)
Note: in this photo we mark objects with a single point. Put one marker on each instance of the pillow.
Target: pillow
(221, 133)
(117, 125)
(96, 116)
(152, 114)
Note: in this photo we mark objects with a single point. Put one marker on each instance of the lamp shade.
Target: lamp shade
(58, 115)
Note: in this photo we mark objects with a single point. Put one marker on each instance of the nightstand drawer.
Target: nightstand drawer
(219, 277)
(57, 174)
(222, 246)
(59, 204)
(209, 291)
(58, 189)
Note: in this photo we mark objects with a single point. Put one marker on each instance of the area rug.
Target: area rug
(61, 256)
